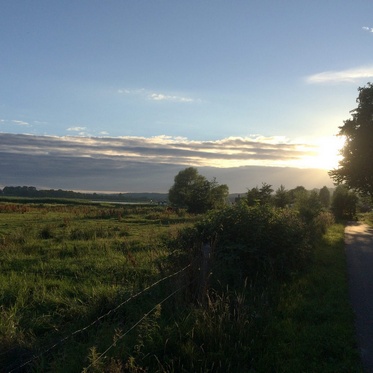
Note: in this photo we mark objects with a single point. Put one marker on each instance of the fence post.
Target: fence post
(205, 271)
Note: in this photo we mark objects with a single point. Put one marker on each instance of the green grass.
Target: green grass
(366, 218)
(312, 328)
(63, 266)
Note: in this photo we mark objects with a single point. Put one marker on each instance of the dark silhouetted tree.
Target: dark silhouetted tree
(282, 197)
(195, 193)
(356, 168)
(260, 196)
(344, 203)
(324, 196)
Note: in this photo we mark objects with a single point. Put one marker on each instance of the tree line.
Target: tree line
(196, 194)
(33, 192)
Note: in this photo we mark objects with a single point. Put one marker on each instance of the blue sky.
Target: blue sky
(180, 75)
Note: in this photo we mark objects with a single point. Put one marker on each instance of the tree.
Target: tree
(260, 196)
(195, 193)
(356, 168)
(281, 197)
(309, 205)
(306, 202)
(324, 196)
(297, 193)
(344, 203)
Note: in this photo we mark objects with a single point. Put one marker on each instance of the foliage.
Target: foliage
(344, 203)
(260, 196)
(252, 239)
(308, 205)
(298, 193)
(195, 193)
(312, 328)
(367, 218)
(365, 204)
(282, 197)
(324, 196)
(356, 168)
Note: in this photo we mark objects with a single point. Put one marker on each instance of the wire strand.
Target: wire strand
(100, 318)
(133, 327)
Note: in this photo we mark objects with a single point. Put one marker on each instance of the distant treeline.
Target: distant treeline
(32, 192)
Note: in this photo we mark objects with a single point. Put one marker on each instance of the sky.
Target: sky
(120, 95)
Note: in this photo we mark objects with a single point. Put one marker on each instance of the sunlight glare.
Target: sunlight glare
(327, 153)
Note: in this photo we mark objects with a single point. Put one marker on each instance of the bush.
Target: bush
(321, 223)
(257, 239)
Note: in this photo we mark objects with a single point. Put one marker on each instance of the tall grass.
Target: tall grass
(312, 328)
(63, 266)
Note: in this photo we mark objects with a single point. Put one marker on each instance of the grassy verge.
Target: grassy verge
(312, 329)
(366, 218)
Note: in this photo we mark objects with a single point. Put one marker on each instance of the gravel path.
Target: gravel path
(359, 252)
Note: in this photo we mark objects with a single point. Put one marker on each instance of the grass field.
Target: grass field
(64, 265)
(106, 288)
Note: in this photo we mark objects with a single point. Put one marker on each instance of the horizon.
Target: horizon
(105, 192)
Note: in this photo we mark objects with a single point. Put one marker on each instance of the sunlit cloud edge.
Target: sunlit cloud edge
(231, 152)
(353, 75)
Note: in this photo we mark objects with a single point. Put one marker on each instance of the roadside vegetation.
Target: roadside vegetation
(312, 329)
(113, 288)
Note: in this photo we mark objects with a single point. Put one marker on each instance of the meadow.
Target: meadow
(113, 288)
(65, 265)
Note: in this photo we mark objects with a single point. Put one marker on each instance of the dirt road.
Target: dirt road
(359, 252)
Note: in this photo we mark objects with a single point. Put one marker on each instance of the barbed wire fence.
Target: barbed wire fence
(206, 267)
(19, 365)
(121, 336)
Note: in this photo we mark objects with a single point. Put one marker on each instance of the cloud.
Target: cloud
(20, 123)
(163, 97)
(76, 129)
(228, 152)
(150, 164)
(79, 131)
(344, 76)
(156, 96)
(369, 29)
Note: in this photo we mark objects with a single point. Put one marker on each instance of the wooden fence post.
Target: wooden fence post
(205, 271)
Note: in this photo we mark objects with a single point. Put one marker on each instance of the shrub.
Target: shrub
(257, 239)
(321, 223)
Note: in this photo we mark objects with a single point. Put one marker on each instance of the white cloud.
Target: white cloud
(344, 76)
(131, 91)
(163, 97)
(20, 122)
(156, 96)
(369, 29)
(76, 129)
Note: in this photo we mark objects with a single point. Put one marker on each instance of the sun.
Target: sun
(322, 153)
(328, 152)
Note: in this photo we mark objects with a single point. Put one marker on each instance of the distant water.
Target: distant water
(126, 203)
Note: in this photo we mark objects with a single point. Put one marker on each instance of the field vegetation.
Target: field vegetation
(113, 288)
